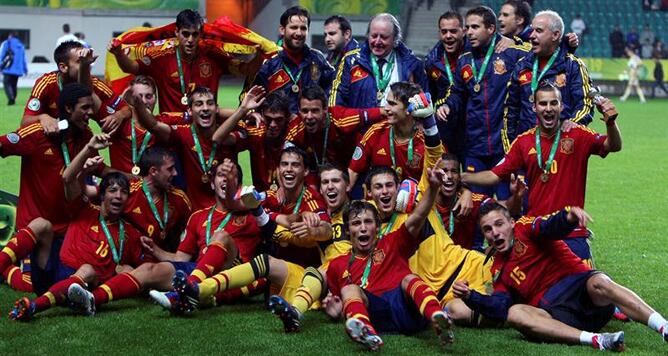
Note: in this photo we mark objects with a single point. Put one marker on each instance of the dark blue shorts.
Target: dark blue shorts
(479, 164)
(54, 271)
(393, 312)
(568, 301)
(579, 246)
(187, 267)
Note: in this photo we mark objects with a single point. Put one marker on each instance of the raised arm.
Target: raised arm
(417, 218)
(480, 178)
(252, 100)
(159, 129)
(82, 164)
(614, 141)
(126, 63)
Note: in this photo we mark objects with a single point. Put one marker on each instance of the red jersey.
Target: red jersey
(311, 201)
(374, 150)
(44, 97)
(265, 156)
(120, 151)
(86, 243)
(41, 192)
(389, 264)
(535, 263)
(466, 229)
(567, 181)
(160, 63)
(241, 226)
(138, 212)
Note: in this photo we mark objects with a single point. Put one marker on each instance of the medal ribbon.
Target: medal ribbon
(136, 155)
(324, 144)
(220, 226)
(116, 254)
(369, 262)
(446, 64)
(477, 76)
(410, 149)
(295, 79)
(535, 79)
(200, 155)
(182, 77)
(161, 222)
(553, 151)
(381, 83)
(66, 153)
(299, 201)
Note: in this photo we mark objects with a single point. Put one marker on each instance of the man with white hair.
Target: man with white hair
(548, 61)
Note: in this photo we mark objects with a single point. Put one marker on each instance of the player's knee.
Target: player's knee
(459, 312)
(40, 226)
(601, 284)
(519, 315)
(351, 291)
(86, 272)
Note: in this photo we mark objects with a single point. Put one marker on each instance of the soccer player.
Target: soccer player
(479, 91)
(98, 244)
(374, 280)
(555, 161)
(515, 20)
(297, 65)
(214, 238)
(543, 289)
(548, 61)
(73, 61)
(338, 39)
(197, 143)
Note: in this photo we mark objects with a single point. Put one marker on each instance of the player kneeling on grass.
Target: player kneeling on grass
(544, 290)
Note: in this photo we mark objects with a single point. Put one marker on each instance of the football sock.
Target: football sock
(423, 297)
(355, 308)
(587, 338)
(57, 294)
(312, 287)
(18, 247)
(120, 286)
(656, 322)
(212, 261)
(235, 277)
(234, 294)
(17, 279)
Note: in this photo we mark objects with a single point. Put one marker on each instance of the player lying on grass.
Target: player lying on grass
(544, 290)
(214, 239)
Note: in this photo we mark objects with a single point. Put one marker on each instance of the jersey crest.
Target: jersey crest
(435, 73)
(357, 73)
(499, 67)
(378, 256)
(205, 69)
(560, 80)
(566, 145)
(520, 248)
(525, 77)
(467, 73)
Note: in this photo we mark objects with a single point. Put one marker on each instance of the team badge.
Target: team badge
(34, 104)
(205, 70)
(357, 73)
(435, 73)
(278, 80)
(315, 72)
(525, 77)
(467, 73)
(239, 220)
(499, 67)
(415, 163)
(381, 152)
(358, 153)
(520, 248)
(566, 146)
(13, 137)
(560, 80)
(146, 60)
(378, 257)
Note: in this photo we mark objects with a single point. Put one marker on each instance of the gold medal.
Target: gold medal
(295, 88)
(399, 171)
(205, 178)
(135, 170)
(119, 269)
(531, 98)
(476, 87)
(273, 186)
(380, 96)
(544, 177)
(184, 99)
(163, 234)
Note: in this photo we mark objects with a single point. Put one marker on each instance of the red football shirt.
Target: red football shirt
(159, 62)
(86, 243)
(311, 201)
(567, 181)
(241, 226)
(389, 264)
(138, 213)
(374, 150)
(265, 156)
(534, 265)
(44, 97)
(464, 227)
(42, 192)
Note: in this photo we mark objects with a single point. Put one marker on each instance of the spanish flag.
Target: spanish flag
(222, 35)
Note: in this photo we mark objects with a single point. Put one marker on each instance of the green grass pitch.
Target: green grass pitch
(626, 196)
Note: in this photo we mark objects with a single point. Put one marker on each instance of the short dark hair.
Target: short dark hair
(62, 53)
(522, 9)
(200, 90)
(403, 91)
(492, 205)
(276, 101)
(448, 15)
(69, 96)
(487, 14)
(295, 11)
(449, 157)
(145, 80)
(66, 28)
(112, 178)
(377, 170)
(295, 151)
(314, 92)
(153, 157)
(357, 207)
(328, 166)
(189, 18)
(343, 22)
(546, 86)
(214, 169)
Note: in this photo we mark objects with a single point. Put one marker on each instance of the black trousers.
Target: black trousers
(9, 81)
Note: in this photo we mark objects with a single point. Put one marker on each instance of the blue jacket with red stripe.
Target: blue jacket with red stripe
(484, 108)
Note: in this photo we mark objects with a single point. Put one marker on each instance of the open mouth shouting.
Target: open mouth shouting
(364, 242)
(206, 118)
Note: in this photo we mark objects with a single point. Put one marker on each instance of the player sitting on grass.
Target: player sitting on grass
(544, 290)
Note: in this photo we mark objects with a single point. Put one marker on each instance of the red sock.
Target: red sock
(120, 286)
(57, 294)
(18, 247)
(17, 279)
(355, 308)
(211, 262)
(423, 297)
(234, 294)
